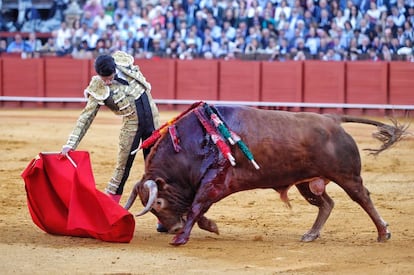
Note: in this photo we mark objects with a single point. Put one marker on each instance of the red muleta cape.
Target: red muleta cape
(63, 200)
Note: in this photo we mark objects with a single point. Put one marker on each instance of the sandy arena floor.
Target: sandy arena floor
(259, 235)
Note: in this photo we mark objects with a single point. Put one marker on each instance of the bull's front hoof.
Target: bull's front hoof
(179, 240)
(384, 238)
(310, 236)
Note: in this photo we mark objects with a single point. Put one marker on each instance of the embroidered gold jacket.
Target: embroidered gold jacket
(117, 97)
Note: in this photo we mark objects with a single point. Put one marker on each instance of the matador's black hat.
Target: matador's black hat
(105, 65)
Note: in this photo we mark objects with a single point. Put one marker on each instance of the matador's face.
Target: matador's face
(108, 79)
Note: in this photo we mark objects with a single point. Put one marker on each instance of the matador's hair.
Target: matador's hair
(105, 65)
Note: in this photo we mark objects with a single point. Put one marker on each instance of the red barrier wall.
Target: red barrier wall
(282, 81)
(401, 84)
(161, 75)
(197, 79)
(67, 77)
(23, 77)
(361, 82)
(324, 83)
(367, 82)
(239, 80)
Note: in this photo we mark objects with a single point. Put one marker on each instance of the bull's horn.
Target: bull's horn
(153, 193)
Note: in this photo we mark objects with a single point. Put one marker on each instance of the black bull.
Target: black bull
(306, 150)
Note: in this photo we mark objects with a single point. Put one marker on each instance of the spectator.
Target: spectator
(63, 33)
(93, 7)
(102, 20)
(283, 8)
(229, 31)
(192, 34)
(373, 12)
(323, 5)
(49, 48)
(91, 38)
(87, 19)
(386, 54)
(82, 51)
(158, 18)
(346, 6)
(308, 19)
(239, 44)
(364, 27)
(130, 40)
(158, 51)
(313, 42)
(172, 50)
(301, 46)
(265, 38)
(217, 11)
(281, 21)
(252, 47)
(201, 23)
(340, 19)
(3, 46)
(364, 5)
(394, 45)
(256, 20)
(391, 25)
(331, 55)
(145, 42)
(34, 42)
(254, 10)
(100, 48)
(214, 27)
(191, 8)
(299, 56)
(66, 49)
(19, 45)
(190, 52)
(314, 10)
(355, 17)
(121, 9)
(408, 30)
(353, 55)
(272, 48)
(372, 54)
(268, 21)
(324, 20)
(365, 46)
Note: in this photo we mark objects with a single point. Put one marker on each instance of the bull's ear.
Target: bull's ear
(161, 183)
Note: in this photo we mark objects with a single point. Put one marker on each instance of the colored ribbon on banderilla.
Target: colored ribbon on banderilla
(215, 136)
(232, 137)
(163, 129)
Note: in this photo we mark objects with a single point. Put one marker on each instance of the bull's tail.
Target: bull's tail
(387, 134)
(131, 198)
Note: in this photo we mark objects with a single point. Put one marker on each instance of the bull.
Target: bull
(304, 149)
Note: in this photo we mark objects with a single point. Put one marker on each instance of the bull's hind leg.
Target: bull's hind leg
(360, 194)
(325, 205)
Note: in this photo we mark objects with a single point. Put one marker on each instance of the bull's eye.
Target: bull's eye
(159, 204)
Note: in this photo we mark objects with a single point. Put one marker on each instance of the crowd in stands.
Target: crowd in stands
(221, 29)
